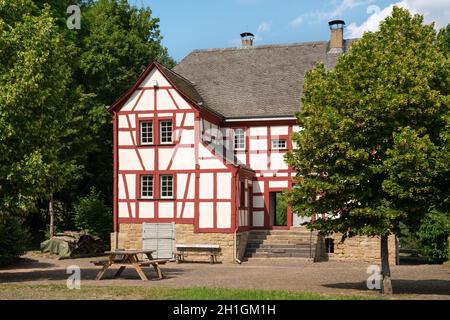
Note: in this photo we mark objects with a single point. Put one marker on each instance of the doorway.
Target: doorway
(278, 209)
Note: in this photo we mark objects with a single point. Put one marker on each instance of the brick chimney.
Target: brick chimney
(247, 39)
(337, 35)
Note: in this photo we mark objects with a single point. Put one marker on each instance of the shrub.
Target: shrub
(433, 234)
(93, 216)
(14, 239)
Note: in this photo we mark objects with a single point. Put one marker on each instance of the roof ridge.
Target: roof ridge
(177, 74)
(266, 46)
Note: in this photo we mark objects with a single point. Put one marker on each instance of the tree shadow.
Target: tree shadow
(401, 286)
(86, 274)
(27, 263)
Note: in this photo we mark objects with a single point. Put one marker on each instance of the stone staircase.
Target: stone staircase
(294, 243)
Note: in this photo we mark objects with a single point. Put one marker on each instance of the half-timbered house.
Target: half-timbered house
(199, 150)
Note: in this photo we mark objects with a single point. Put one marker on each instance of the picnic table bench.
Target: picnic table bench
(129, 258)
(211, 250)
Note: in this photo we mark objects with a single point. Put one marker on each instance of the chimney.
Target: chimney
(337, 35)
(247, 39)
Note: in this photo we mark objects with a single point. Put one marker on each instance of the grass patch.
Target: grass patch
(57, 292)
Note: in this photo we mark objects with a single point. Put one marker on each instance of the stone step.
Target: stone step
(284, 237)
(278, 255)
(270, 260)
(280, 250)
(281, 241)
(290, 244)
(279, 245)
(261, 236)
(280, 232)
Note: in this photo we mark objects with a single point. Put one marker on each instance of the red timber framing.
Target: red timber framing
(271, 173)
(133, 118)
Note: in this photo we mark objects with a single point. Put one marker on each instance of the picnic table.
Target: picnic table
(130, 258)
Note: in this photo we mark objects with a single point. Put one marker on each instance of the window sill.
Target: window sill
(155, 145)
(156, 199)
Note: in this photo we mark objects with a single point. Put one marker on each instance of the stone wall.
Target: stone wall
(130, 238)
(358, 248)
(184, 234)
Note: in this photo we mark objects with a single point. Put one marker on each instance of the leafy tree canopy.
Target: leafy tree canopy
(34, 77)
(374, 149)
(120, 42)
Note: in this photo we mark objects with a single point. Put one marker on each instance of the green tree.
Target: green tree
(34, 77)
(445, 33)
(14, 239)
(119, 42)
(433, 234)
(116, 42)
(93, 216)
(374, 149)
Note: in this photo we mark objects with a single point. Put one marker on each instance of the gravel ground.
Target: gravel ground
(334, 278)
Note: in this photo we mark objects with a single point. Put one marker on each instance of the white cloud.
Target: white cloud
(437, 11)
(297, 21)
(337, 12)
(264, 27)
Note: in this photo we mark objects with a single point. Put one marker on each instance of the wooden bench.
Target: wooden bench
(211, 250)
(412, 252)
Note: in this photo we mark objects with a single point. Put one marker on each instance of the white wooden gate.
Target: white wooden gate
(159, 237)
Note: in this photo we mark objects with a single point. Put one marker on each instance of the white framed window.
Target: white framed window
(279, 144)
(165, 131)
(146, 186)
(239, 139)
(146, 131)
(166, 186)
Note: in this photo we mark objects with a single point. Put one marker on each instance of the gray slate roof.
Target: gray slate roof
(255, 81)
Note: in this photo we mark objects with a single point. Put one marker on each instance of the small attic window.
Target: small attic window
(239, 139)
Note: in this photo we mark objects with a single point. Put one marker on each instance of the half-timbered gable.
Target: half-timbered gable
(164, 171)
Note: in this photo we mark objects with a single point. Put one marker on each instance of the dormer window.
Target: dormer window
(239, 139)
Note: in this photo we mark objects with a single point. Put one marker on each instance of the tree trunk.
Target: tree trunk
(52, 217)
(386, 287)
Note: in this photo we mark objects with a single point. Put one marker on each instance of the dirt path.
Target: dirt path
(335, 278)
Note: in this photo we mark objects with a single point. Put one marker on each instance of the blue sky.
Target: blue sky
(198, 24)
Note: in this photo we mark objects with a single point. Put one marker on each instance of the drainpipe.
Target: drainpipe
(235, 246)
(236, 220)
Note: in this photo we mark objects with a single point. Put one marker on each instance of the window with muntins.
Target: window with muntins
(166, 186)
(147, 187)
(146, 129)
(239, 139)
(165, 131)
(279, 144)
